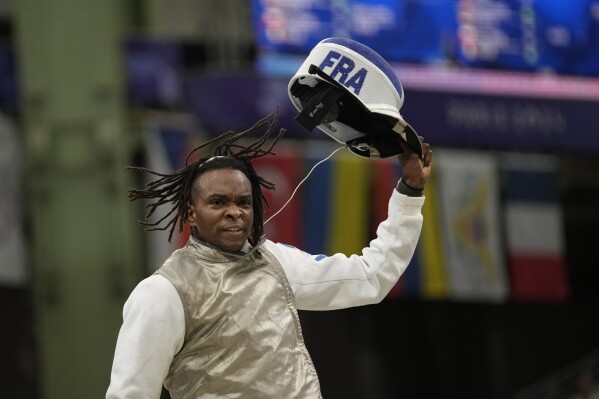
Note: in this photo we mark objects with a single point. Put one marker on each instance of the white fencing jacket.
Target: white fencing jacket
(153, 327)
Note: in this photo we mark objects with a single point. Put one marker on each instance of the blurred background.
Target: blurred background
(501, 299)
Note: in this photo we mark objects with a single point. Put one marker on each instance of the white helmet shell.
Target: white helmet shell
(364, 76)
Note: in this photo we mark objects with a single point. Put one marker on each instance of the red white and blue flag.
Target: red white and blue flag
(534, 229)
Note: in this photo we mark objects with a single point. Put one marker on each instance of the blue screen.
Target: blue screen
(399, 30)
(555, 36)
(560, 36)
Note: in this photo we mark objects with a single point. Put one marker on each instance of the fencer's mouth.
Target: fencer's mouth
(233, 229)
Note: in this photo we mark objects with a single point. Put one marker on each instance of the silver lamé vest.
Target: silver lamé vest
(242, 333)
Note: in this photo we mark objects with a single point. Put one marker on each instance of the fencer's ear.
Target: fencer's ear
(191, 215)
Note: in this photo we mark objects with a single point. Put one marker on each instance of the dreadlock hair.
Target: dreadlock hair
(177, 188)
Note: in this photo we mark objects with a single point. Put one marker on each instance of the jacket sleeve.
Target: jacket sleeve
(322, 282)
(152, 333)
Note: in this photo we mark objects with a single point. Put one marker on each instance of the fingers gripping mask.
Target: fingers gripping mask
(351, 93)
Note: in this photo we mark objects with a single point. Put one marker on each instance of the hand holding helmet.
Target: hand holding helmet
(416, 170)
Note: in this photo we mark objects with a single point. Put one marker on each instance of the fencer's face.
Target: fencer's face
(222, 211)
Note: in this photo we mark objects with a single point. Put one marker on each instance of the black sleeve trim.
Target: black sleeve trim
(403, 188)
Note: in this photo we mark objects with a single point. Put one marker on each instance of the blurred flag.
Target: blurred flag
(317, 194)
(468, 195)
(284, 171)
(430, 249)
(349, 212)
(384, 174)
(534, 228)
(169, 137)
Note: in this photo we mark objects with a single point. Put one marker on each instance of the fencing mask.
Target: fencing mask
(351, 93)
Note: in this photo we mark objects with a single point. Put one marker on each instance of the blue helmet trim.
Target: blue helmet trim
(371, 56)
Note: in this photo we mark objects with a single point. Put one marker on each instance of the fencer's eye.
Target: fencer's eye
(245, 203)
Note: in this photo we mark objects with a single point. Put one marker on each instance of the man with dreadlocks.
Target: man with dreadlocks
(219, 318)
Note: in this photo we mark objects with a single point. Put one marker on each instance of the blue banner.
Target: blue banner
(465, 120)
(504, 123)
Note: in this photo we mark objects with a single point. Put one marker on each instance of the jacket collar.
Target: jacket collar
(213, 253)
